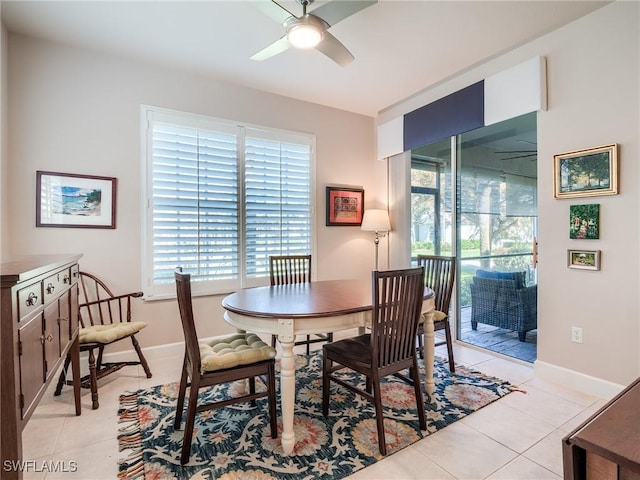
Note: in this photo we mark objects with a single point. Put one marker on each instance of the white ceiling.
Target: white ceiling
(401, 47)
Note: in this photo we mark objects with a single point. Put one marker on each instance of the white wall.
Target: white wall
(593, 82)
(593, 69)
(3, 133)
(76, 111)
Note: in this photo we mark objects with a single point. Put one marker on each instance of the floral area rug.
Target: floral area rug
(234, 442)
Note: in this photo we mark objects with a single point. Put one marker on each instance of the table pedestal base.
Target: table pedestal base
(429, 338)
(287, 384)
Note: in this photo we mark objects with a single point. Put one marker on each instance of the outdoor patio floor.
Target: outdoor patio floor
(498, 340)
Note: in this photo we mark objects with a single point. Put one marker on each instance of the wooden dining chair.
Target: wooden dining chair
(220, 360)
(290, 269)
(105, 319)
(388, 349)
(440, 273)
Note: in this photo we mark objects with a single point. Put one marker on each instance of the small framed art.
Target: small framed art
(584, 221)
(345, 206)
(583, 259)
(583, 173)
(75, 201)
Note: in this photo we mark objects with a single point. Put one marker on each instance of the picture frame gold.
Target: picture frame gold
(583, 259)
(587, 172)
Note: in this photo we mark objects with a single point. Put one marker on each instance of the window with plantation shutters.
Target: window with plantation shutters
(221, 198)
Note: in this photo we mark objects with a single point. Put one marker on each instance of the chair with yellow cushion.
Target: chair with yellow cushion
(105, 319)
(219, 360)
(439, 275)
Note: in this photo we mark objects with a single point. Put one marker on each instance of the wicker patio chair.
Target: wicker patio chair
(502, 300)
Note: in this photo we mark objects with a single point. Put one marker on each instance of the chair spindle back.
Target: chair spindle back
(397, 303)
(289, 269)
(183, 288)
(97, 305)
(439, 275)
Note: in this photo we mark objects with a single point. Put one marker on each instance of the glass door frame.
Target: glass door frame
(457, 145)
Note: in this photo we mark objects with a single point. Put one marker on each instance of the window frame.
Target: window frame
(241, 129)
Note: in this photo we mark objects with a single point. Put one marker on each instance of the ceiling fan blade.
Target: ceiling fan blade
(275, 48)
(335, 50)
(338, 10)
(272, 9)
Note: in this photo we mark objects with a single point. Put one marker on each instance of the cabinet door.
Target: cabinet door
(64, 320)
(31, 361)
(73, 302)
(51, 337)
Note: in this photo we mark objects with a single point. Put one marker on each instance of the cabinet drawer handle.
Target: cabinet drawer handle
(48, 338)
(50, 288)
(32, 299)
(66, 279)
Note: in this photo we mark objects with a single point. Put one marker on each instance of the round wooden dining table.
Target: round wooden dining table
(307, 309)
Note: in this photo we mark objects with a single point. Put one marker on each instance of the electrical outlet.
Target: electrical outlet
(576, 334)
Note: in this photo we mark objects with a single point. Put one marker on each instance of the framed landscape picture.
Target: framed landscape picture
(584, 221)
(345, 206)
(583, 259)
(75, 201)
(583, 173)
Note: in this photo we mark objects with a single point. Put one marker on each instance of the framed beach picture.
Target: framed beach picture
(75, 201)
(583, 173)
(583, 259)
(584, 221)
(345, 206)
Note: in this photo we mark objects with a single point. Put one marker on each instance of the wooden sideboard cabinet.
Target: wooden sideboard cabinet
(607, 445)
(38, 327)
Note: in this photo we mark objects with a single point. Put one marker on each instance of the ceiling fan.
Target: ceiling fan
(311, 29)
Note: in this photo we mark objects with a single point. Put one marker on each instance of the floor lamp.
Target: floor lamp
(376, 221)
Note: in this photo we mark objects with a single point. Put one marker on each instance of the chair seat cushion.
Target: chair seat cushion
(231, 351)
(109, 333)
(438, 316)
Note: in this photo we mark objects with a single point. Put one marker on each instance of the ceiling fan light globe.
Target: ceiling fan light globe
(304, 35)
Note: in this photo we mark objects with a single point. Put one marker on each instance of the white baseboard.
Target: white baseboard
(546, 371)
(576, 380)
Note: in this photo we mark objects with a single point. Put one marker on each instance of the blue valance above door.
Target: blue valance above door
(520, 89)
(454, 114)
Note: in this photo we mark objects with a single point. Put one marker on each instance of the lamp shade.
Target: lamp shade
(376, 220)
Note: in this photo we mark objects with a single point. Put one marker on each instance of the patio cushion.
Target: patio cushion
(233, 350)
(518, 277)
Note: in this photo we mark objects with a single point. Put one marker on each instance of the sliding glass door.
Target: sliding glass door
(477, 201)
(431, 204)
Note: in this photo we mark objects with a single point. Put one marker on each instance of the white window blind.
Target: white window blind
(277, 201)
(222, 198)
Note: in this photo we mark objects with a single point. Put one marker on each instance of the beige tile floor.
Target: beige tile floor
(517, 437)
